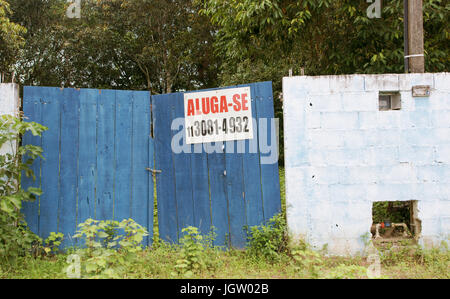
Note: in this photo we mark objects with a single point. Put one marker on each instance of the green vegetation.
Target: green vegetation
(166, 46)
(112, 250)
(15, 237)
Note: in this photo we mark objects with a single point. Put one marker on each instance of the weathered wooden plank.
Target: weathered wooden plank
(69, 98)
(87, 155)
(252, 172)
(219, 198)
(269, 171)
(50, 173)
(32, 111)
(142, 184)
(123, 155)
(165, 181)
(182, 166)
(200, 187)
(105, 155)
(235, 195)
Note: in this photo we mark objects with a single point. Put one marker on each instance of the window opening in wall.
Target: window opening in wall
(395, 221)
(389, 100)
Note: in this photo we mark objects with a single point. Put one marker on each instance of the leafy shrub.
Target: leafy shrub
(196, 252)
(15, 237)
(111, 247)
(381, 212)
(307, 260)
(269, 241)
(52, 243)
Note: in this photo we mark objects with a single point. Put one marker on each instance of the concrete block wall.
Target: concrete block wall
(342, 154)
(9, 104)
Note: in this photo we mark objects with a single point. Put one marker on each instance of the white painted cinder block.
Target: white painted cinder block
(342, 154)
(9, 98)
(10, 105)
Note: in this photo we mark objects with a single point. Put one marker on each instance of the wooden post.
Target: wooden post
(415, 37)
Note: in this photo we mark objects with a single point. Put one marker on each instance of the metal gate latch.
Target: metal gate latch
(154, 171)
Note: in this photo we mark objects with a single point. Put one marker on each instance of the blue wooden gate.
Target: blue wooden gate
(103, 146)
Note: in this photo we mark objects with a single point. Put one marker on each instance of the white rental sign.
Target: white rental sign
(218, 115)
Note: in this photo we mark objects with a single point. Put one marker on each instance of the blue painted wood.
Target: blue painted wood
(236, 201)
(69, 101)
(123, 155)
(219, 197)
(87, 154)
(165, 181)
(269, 172)
(105, 155)
(50, 170)
(200, 191)
(252, 172)
(142, 158)
(32, 112)
(182, 169)
(109, 136)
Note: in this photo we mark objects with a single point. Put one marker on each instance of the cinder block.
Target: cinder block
(339, 120)
(313, 120)
(444, 191)
(428, 192)
(356, 139)
(386, 82)
(407, 81)
(361, 101)
(296, 155)
(294, 108)
(324, 175)
(324, 102)
(417, 155)
(346, 83)
(440, 118)
(442, 81)
(294, 87)
(431, 173)
(317, 85)
(9, 98)
(384, 137)
(407, 101)
(420, 118)
(443, 154)
(403, 173)
(442, 135)
(344, 157)
(318, 157)
(440, 100)
(324, 139)
(419, 136)
(389, 119)
(381, 155)
(422, 103)
(392, 192)
(368, 120)
(348, 192)
(319, 211)
(319, 192)
(359, 175)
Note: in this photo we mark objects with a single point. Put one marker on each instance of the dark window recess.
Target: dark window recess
(389, 101)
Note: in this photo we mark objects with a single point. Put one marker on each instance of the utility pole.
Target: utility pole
(414, 50)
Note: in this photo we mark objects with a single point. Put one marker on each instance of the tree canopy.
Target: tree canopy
(169, 45)
(11, 39)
